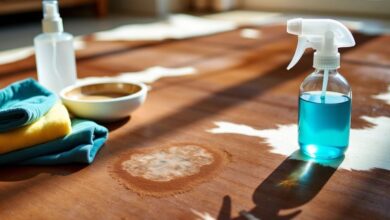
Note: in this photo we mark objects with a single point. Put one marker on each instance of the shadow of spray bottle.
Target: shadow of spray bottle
(295, 182)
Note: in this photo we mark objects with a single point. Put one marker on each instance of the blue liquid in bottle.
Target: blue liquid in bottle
(324, 124)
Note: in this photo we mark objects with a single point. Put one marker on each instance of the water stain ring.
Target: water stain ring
(169, 169)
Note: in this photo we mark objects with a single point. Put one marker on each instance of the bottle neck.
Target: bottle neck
(52, 25)
(326, 61)
(322, 71)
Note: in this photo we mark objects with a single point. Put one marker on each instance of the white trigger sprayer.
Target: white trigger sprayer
(325, 97)
(325, 36)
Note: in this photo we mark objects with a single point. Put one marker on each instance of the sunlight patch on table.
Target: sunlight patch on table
(384, 96)
(178, 26)
(368, 148)
(202, 216)
(149, 75)
(13, 55)
(250, 33)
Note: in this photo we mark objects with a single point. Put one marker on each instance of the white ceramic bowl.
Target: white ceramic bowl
(104, 101)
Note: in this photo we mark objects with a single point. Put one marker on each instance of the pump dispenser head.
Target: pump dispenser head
(325, 36)
(51, 21)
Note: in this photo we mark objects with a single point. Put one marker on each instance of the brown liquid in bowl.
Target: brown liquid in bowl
(103, 91)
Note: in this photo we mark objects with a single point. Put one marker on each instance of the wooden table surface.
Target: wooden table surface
(239, 80)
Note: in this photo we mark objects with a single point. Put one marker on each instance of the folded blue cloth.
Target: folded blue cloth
(24, 102)
(81, 146)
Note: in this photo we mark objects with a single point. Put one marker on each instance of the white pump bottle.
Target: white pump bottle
(54, 51)
(325, 96)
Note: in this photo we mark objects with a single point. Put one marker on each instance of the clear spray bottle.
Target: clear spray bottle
(325, 96)
(54, 52)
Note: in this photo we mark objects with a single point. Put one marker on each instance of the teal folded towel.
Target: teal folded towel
(24, 102)
(81, 146)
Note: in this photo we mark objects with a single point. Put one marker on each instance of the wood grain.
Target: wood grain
(241, 80)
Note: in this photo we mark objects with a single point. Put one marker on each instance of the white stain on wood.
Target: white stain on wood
(168, 164)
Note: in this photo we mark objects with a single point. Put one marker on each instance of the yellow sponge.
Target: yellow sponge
(53, 125)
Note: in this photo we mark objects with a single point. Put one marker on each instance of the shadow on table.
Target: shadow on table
(19, 173)
(112, 126)
(294, 183)
(15, 179)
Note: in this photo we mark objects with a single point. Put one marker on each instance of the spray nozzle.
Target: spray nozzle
(50, 9)
(52, 21)
(323, 35)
